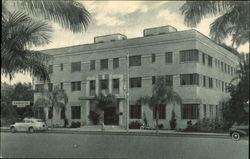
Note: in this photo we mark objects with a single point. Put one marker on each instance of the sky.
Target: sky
(125, 17)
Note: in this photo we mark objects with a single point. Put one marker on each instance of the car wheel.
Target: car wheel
(13, 129)
(235, 136)
(31, 130)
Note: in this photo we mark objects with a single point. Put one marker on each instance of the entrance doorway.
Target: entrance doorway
(110, 116)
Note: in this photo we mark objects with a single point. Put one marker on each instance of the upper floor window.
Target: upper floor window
(169, 80)
(225, 68)
(189, 79)
(210, 80)
(135, 82)
(50, 69)
(222, 66)
(92, 65)
(61, 67)
(135, 60)
(104, 64)
(115, 83)
(204, 81)
(232, 71)
(210, 61)
(104, 84)
(92, 84)
(169, 57)
(190, 111)
(153, 58)
(50, 87)
(76, 66)
(189, 55)
(228, 69)
(215, 60)
(115, 62)
(203, 58)
(61, 85)
(222, 86)
(205, 110)
(39, 87)
(135, 112)
(76, 86)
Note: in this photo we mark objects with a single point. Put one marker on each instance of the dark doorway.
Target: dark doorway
(110, 116)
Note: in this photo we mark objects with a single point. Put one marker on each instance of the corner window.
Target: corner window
(190, 111)
(189, 79)
(189, 56)
(135, 60)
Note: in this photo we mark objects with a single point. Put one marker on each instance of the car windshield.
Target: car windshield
(39, 120)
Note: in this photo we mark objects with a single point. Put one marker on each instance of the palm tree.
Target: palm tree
(233, 19)
(161, 95)
(55, 99)
(20, 32)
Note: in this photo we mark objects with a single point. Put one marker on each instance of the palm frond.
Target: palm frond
(68, 14)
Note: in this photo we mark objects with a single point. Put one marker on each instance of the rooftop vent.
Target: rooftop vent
(159, 30)
(108, 38)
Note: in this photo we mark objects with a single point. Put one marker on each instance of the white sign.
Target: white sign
(21, 104)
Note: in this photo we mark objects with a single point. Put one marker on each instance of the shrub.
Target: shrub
(191, 127)
(172, 122)
(135, 125)
(94, 117)
(160, 126)
(75, 124)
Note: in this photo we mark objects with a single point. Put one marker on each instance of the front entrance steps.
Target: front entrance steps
(101, 127)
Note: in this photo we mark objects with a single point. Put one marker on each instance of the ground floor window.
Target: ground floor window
(190, 111)
(162, 112)
(135, 112)
(211, 111)
(76, 112)
(50, 113)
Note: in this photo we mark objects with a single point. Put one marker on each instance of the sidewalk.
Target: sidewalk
(138, 132)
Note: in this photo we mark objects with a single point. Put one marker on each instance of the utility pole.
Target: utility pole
(127, 92)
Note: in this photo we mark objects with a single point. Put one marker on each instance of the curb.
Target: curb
(109, 132)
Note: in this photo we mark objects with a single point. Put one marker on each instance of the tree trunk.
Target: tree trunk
(157, 120)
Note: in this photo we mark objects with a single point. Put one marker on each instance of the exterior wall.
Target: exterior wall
(146, 46)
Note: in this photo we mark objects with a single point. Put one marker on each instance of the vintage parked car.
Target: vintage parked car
(29, 124)
(236, 131)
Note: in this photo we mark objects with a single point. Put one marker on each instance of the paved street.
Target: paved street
(120, 146)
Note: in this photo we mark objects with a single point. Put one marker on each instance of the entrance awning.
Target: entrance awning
(119, 97)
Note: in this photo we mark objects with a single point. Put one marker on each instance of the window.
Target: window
(39, 87)
(169, 80)
(215, 60)
(76, 86)
(190, 111)
(62, 112)
(216, 81)
(135, 112)
(225, 68)
(50, 113)
(203, 58)
(104, 84)
(76, 112)
(61, 85)
(226, 86)
(92, 84)
(189, 55)
(61, 67)
(216, 111)
(50, 87)
(205, 110)
(219, 83)
(211, 111)
(189, 79)
(115, 83)
(169, 57)
(50, 69)
(92, 65)
(204, 81)
(210, 80)
(153, 79)
(210, 61)
(104, 64)
(135, 82)
(153, 58)
(232, 71)
(115, 62)
(162, 112)
(222, 66)
(222, 86)
(135, 60)
(76, 66)
(228, 69)
(219, 64)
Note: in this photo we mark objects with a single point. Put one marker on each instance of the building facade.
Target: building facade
(197, 68)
